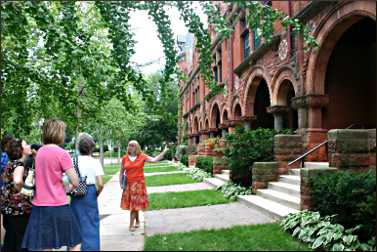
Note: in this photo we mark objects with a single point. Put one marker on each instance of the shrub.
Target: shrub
(349, 195)
(198, 174)
(184, 160)
(171, 152)
(205, 163)
(231, 191)
(322, 233)
(244, 147)
(190, 149)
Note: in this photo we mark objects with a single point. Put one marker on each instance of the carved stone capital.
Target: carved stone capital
(310, 101)
(278, 109)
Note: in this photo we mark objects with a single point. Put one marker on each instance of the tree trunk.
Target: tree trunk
(118, 153)
(101, 151)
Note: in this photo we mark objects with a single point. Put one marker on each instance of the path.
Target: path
(115, 222)
(203, 217)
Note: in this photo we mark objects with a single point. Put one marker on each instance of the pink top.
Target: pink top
(50, 164)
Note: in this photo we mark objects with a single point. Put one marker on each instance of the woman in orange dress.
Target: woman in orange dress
(134, 197)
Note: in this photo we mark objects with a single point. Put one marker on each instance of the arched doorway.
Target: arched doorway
(225, 130)
(350, 79)
(285, 94)
(196, 130)
(237, 112)
(261, 103)
(215, 120)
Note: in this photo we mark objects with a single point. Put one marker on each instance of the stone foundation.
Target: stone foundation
(286, 149)
(219, 164)
(352, 149)
(306, 175)
(262, 173)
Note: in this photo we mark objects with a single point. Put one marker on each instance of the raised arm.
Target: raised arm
(158, 158)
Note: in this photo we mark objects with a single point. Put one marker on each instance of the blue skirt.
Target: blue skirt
(87, 214)
(51, 227)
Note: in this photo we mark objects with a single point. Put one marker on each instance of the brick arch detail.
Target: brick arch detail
(284, 73)
(257, 74)
(327, 34)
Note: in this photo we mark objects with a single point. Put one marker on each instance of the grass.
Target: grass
(160, 169)
(110, 170)
(241, 238)
(185, 199)
(170, 179)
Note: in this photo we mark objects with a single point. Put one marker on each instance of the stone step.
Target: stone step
(281, 198)
(316, 164)
(296, 172)
(268, 207)
(214, 182)
(293, 190)
(290, 179)
(225, 172)
(223, 177)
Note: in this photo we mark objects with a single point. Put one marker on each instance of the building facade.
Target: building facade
(281, 84)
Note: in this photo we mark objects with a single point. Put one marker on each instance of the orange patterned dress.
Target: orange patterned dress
(135, 196)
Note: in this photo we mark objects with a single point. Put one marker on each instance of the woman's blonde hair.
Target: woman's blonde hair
(138, 148)
(54, 132)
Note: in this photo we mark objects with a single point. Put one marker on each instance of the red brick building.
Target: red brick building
(279, 84)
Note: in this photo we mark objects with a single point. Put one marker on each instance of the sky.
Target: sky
(148, 47)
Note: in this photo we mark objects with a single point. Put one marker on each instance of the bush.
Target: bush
(171, 152)
(349, 195)
(322, 233)
(244, 147)
(184, 160)
(190, 149)
(198, 174)
(205, 163)
(231, 191)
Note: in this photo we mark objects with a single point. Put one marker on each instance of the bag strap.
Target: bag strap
(76, 165)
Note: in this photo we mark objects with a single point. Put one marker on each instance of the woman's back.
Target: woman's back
(50, 164)
(90, 168)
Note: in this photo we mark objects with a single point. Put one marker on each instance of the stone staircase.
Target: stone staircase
(278, 200)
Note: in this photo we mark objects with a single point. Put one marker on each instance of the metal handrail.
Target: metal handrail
(302, 157)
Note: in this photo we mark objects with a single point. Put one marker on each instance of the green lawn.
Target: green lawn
(110, 170)
(170, 179)
(241, 238)
(160, 169)
(185, 199)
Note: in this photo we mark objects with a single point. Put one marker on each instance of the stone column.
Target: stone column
(278, 112)
(310, 123)
(212, 132)
(223, 128)
(248, 121)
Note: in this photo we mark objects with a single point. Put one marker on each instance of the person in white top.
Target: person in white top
(86, 208)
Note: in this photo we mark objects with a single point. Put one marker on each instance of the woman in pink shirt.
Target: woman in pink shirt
(52, 224)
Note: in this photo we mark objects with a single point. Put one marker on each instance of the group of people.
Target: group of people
(49, 220)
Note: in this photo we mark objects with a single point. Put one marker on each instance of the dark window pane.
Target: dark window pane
(246, 44)
(256, 39)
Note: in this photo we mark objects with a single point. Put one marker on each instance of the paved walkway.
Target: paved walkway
(179, 188)
(203, 217)
(115, 222)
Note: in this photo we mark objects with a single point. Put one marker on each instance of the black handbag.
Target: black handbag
(82, 188)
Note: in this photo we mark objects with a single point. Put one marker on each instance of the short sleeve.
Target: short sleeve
(144, 157)
(98, 168)
(66, 161)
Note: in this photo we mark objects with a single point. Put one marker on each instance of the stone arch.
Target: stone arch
(288, 114)
(328, 32)
(256, 76)
(237, 112)
(215, 116)
(283, 74)
(224, 115)
(195, 125)
(206, 125)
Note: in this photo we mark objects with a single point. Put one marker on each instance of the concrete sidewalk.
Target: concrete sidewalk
(115, 221)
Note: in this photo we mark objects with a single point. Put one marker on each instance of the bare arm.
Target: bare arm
(18, 177)
(99, 183)
(158, 158)
(73, 178)
(120, 174)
